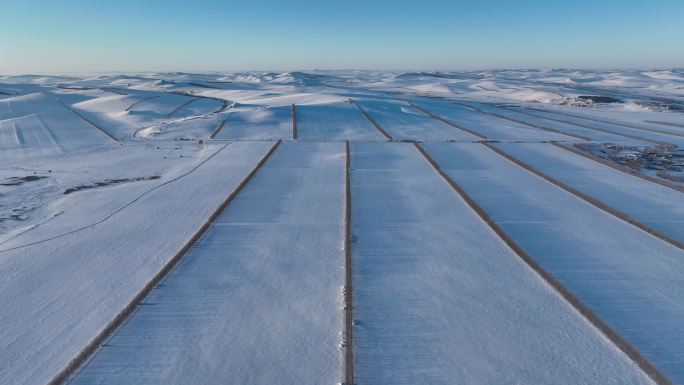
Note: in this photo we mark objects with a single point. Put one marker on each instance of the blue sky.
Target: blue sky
(209, 35)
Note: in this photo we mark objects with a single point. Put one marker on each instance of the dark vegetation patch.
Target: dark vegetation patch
(109, 182)
(16, 180)
(599, 99)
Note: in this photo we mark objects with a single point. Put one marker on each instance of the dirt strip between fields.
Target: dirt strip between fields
(372, 121)
(543, 128)
(620, 167)
(102, 130)
(604, 328)
(88, 351)
(218, 129)
(140, 101)
(294, 122)
(348, 289)
(452, 124)
(636, 137)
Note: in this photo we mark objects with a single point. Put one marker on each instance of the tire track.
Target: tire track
(348, 288)
(620, 167)
(372, 122)
(102, 130)
(443, 120)
(85, 227)
(636, 137)
(584, 310)
(543, 128)
(585, 197)
(118, 321)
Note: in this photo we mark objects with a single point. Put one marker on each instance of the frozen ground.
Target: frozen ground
(507, 252)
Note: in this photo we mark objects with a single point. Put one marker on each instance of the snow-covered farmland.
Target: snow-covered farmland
(342, 227)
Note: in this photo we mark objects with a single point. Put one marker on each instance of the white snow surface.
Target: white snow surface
(104, 177)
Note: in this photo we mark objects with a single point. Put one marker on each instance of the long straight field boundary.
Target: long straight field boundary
(348, 289)
(372, 121)
(120, 319)
(584, 310)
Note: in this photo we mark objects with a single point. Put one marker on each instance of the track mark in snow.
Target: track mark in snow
(102, 130)
(665, 124)
(372, 121)
(620, 167)
(117, 210)
(603, 327)
(127, 311)
(419, 108)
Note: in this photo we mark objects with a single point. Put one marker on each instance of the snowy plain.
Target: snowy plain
(106, 178)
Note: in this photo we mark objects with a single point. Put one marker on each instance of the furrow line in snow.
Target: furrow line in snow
(549, 129)
(102, 130)
(603, 327)
(87, 352)
(294, 122)
(446, 121)
(589, 199)
(140, 101)
(595, 128)
(372, 121)
(619, 167)
(348, 289)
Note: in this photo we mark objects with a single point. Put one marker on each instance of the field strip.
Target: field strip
(102, 130)
(452, 124)
(620, 167)
(596, 128)
(140, 101)
(372, 121)
(294, 122)
(593, 201)
(348, 288)
(621, 124)
(603, 327)
(543, 128)
(86, 353)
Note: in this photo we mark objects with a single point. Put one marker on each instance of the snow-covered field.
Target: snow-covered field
(261, 228)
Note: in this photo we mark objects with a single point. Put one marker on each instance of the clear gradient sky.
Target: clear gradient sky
(51, 36)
